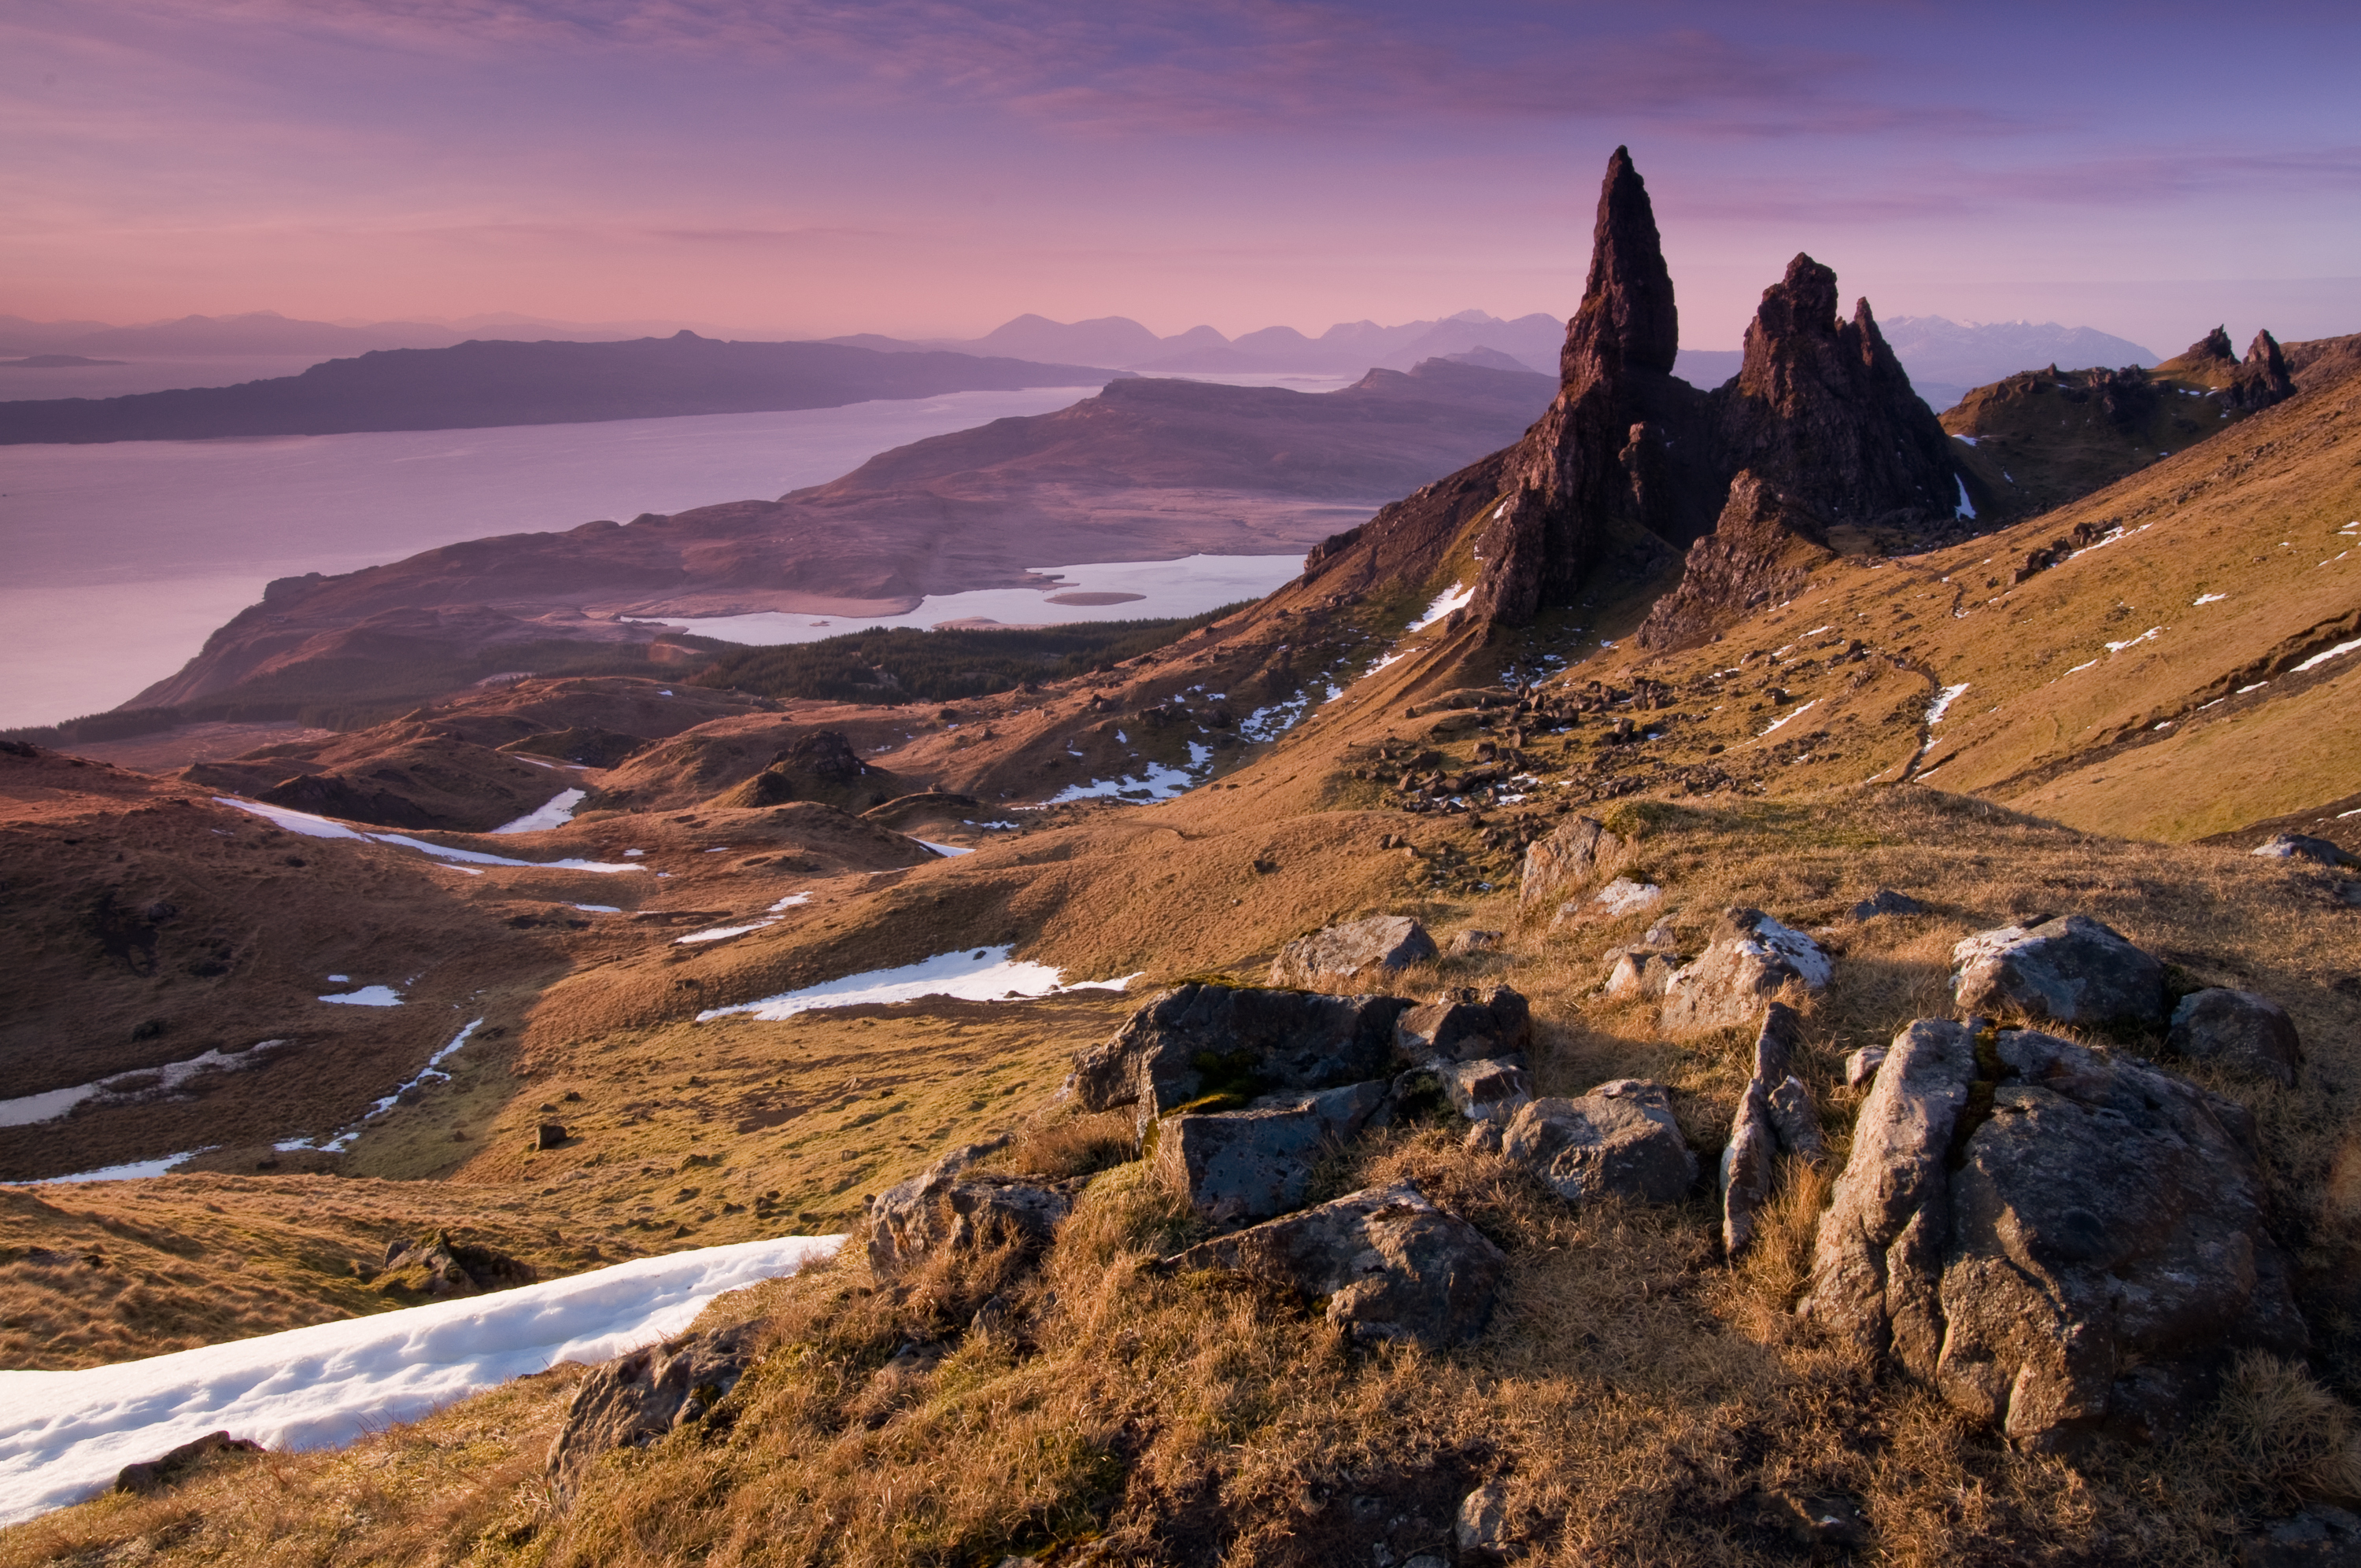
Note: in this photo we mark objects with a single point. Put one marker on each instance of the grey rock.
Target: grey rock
(1389, 1263)
(2303, 847)
(1885, 901)
(1463, 943)
(1487, 1090)
(1565, 860)
(1861, 1065)
(634, 1399)
(1252, 1164)
(1796, 1122)
(1184, 1043)
(1635, 972)
(1350, 950)
(1483, 1522)
(2239, 1029)
(1618, 898)
(947, 1206)
(2097, 1254)
(1462, 1024)
(1619, 1140)
(1750, 959)
(2072, 970)
(2321, 1536)
(1775, 1115)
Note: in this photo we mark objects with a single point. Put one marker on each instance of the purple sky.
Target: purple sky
(917, 167)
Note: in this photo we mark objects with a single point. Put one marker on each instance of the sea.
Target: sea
(117, 560)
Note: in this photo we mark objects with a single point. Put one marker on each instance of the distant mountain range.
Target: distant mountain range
(1346, 348)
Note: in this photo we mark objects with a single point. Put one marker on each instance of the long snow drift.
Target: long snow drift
(312, 827)
(63, 1435)
(986, 974)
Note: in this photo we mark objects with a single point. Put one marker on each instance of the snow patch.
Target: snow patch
(368, 996)
(29, 1110)
(717, 933)
(1943, 701)
(554, 812)
(1966, 508)
(2147, 636)
(790, 902)
(2318, 659)
(137, 1170)
(312, 827)
(983, 974)
(947, 851)
(600, 908)
(64, 1435)
(1776, 723)
(1456, 596)
(2209, 599)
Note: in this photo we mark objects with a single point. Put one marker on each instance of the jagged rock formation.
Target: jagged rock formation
(1762, 548)
(1632, 463)
(2262, 379)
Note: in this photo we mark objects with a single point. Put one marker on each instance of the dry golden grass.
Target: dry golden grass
(1642, 1400)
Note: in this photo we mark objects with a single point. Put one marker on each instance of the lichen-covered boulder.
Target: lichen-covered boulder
(2240, 1030)
(1750, 959)
(1389, 1264)
(1463, 1025)
(1619, 1140)
(2072, 969)
(1198, 1038)
(1487, 1090)
(1565, 861)
(634, 1399)
(1341, 954)
(950, 1206)
(2081, 1257)
(1258, 1162)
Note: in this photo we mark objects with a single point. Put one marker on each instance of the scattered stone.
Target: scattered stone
(1617, 898)
(1661, 934)
(2087, 1260)
(150, 1477)
(1861, 1065)
(2070, 970)
(1567, 858)
(1487, 1090)
(634, 1399)
(2303, 847)
(1355, 948)
(1249, 1165)
(1750, 959)
(1637, 973)
(1465, 943)
(548, 1136)
(1775, 1115)
(1390, 1264)
(1459, 1025)
(1483, 1523)
(944, 1207)
(437, 1265)
(1619, 1140)
(1207, 1037)
(1821, 1521)
(1885, 901)
(2239, 1029)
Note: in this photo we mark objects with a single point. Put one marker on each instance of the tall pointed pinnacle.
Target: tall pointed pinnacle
(1628, 301)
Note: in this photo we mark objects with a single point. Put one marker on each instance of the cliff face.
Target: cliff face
(1821, 414)
(1762, 548)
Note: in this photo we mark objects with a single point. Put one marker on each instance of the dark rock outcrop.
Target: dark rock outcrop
(1252, 1164)
(167, 1470)
(946, 1207)
(1775, 1116)
(1762, 548)
(2262, 379)
(1461, 1025)
(2302, 847)
(1389, 1263)
(634, 1399)
(2240, 1030)
(2060, 1239)
(437, 1265)
(2073, 970)
(1202, 1039)
(1619, 1140)
(1344, 952)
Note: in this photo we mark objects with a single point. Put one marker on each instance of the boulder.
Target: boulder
(1617, 898)
(1252, 1164)
(1636, 972)
(150, 1477)
(1203, 1039)
(2070, 971)
(1487, 1090)
(1775, 1116)
(2084, 1256)
(1389, 1264)
(2239, 1029)
(1465, 943)
(1861, 1065)
(1354, 948)
(947, 1206)
(1482, 1527)
(1885, 901)
(436, 1265)
(1619, 1140)
(548, 1136)
(1461, 1025)
(634, 1399)
(1565, 861)
(1750, 959)
(2302, 847)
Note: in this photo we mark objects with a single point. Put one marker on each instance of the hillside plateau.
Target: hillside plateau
(1580, 709)
(479, 383)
